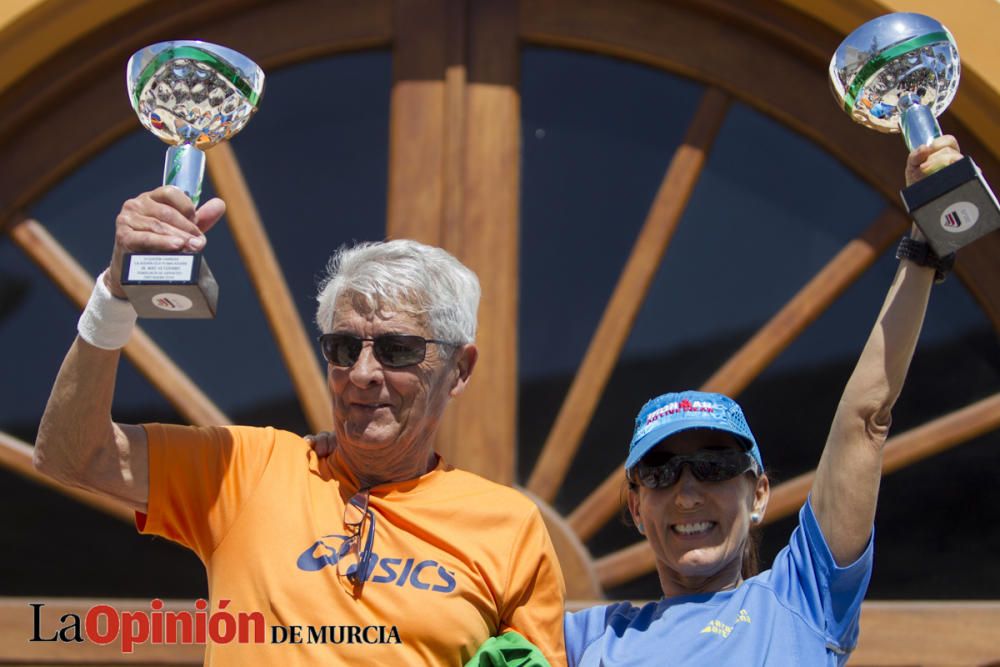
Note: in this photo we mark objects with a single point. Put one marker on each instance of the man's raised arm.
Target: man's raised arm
(78, 443)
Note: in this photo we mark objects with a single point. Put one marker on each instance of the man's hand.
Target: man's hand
(323, 443)
(164, 220)
(936, 155)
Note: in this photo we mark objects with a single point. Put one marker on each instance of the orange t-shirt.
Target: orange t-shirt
(456, 558)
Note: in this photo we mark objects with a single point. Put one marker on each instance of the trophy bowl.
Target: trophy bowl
(898, 73)
(190, 92)
(893, 63)
(192, 95)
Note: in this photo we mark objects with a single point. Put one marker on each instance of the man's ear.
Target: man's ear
(465, 361)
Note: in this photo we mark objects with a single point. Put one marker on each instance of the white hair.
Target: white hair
(403, 276)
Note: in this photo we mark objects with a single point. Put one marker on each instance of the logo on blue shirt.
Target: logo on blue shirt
(422, 575)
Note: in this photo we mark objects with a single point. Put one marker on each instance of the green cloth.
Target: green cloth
(510, 649)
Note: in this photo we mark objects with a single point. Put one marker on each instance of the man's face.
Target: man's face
(376, 407)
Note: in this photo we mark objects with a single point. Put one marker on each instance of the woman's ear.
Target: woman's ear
(761, 494)
(633, 509)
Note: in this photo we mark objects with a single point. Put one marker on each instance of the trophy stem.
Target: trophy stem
(185, 168)
(917, 122)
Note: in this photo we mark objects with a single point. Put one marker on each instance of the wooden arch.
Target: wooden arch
(455, 106)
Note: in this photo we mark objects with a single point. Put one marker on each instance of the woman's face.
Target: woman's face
(698, 529)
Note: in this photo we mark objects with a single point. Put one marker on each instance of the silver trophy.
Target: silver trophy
(192, 95)
(897, 73)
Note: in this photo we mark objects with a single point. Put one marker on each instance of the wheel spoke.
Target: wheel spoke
(15, 455)
(275, 298)
(831, 281)
(144, 354)
(810, 302)
(630, 292)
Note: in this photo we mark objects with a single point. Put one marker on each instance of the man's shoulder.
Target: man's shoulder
(246, 442)
(469, 485)
(243, 433)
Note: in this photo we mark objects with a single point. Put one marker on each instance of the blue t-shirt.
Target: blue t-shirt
(803, 611)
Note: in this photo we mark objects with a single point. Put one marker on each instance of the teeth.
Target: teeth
(692, 528)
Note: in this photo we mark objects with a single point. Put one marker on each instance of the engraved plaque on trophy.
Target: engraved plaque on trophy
(897, 73)
(192, 95)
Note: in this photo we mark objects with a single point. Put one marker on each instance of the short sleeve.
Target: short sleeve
(535, 591)
(584, 627)
(808, 577)
(199, 479)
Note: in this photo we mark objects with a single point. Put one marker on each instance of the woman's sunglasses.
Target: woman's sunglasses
(391, 350)
(660, 470)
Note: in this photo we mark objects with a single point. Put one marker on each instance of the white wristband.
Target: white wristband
(107, 321)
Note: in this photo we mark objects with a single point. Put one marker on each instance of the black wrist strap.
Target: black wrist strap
(921, 254)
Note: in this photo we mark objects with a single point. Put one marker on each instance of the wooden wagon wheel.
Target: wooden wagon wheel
(455, 107)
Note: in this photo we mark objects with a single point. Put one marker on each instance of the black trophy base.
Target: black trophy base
(953, 207)
(170, 285)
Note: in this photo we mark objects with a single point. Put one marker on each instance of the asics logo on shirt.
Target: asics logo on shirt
(423, 575)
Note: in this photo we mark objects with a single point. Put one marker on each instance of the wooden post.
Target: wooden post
(453, 182)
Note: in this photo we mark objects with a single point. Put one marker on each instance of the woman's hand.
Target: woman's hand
(925, 160)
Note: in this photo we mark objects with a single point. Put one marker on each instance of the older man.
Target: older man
(379, 553)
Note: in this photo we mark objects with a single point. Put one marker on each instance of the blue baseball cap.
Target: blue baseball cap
(672, 413)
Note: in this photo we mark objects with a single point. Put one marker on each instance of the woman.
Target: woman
(697, 486)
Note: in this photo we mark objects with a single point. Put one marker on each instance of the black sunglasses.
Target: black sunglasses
(660, 470)
(391, 350)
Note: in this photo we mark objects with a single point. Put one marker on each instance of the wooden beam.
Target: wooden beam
(417, 120)
(808, 304)
(616, 323)
(599, 506)
(979, 270)
(144, 354)
(928, 633)
(456, 82)
(15, 455)
(453, 182)
(915, 445)
(574, 559)
(481, 429)
(42, 137)
(17, 628)
(31, 31)
(625, 564)
(269, 281)
(756, 55)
